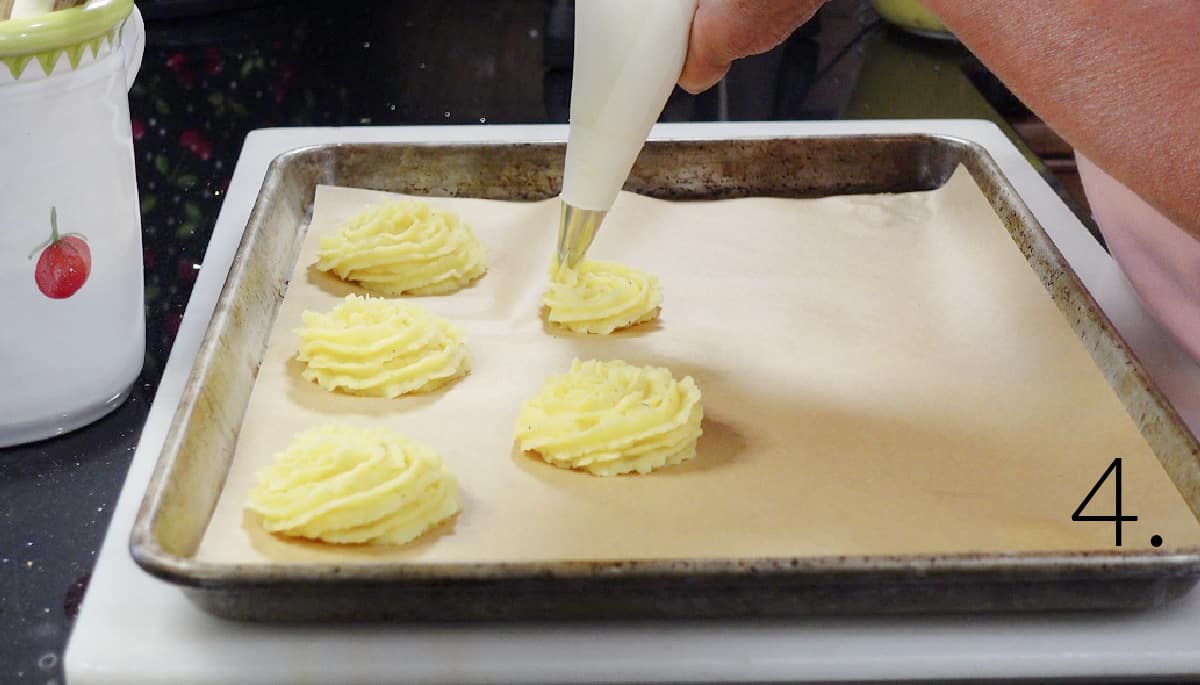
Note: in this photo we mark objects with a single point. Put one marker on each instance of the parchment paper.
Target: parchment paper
(881, 375)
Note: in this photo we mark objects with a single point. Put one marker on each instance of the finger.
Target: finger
(726, 30)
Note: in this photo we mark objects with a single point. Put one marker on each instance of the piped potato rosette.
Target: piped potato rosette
(610, 418)
(598, 297)
(348, 485)
(404, 247)
(380, 348)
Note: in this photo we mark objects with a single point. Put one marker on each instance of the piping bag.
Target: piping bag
(628, 56)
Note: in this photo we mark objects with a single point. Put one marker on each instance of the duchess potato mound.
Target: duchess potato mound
(610, 418)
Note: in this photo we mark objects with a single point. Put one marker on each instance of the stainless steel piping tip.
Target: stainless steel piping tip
(577, 229)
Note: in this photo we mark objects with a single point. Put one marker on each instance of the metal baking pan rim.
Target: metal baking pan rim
(143, 544)
(1176, 563)
(148, 553)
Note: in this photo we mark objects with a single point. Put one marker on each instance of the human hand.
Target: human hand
(725, 30)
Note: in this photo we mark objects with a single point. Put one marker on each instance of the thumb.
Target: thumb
(726, 30)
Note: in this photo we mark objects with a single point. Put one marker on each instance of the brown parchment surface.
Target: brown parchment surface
(881, 375)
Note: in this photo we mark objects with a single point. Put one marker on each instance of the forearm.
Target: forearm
(1119, 79)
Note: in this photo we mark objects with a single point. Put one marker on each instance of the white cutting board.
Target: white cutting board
(135, 629)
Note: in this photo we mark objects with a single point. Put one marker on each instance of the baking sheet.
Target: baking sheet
(882, 375)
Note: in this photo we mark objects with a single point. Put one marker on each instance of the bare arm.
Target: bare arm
(1119, 79)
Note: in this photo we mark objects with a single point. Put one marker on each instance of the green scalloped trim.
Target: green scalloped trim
(74, 54)
(16, 64)
(49, 58)
(31, 35)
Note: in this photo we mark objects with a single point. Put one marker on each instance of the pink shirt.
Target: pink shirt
(1159, 258)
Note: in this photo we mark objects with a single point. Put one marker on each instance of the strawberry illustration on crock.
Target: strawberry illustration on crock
(64, 264)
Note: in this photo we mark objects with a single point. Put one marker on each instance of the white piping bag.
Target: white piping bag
(628, 55)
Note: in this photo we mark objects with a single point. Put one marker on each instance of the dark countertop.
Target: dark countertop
(207, 81)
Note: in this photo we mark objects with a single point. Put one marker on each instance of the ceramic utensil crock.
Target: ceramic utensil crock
(72, 327)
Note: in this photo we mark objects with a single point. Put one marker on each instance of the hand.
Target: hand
(725, 30)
